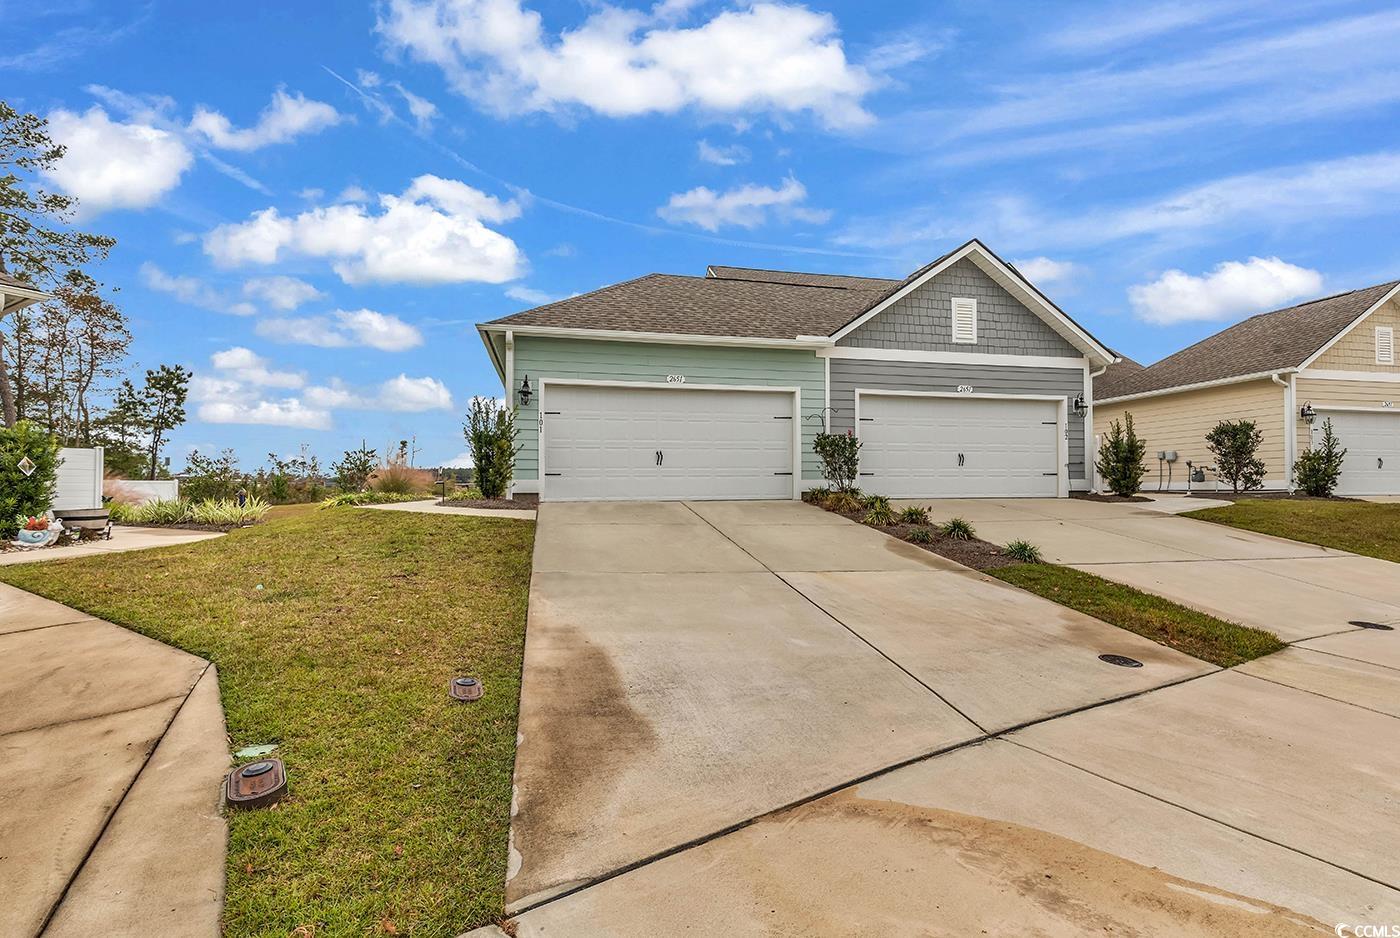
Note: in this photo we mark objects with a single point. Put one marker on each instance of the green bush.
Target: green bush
(1318, 470)
(28, 495)
(878, 510)
(210, 476)
(1120, 458)
(352, 499)
(840, 456)
(222, 512)
(464, 495)
(914, 514)
(844, 502)
(490, 431)
(1235, 446)
(923, 535)
(1023, 551)
(818, 495)
(959, 529)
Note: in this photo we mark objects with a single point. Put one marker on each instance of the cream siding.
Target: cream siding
(1181, 421)
(1327, 392)
(1356, 351)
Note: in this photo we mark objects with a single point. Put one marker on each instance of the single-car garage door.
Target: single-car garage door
(663, 443)
(930, 447)
(1372, 442)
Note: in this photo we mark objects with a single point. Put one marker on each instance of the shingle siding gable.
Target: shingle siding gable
(922, 321)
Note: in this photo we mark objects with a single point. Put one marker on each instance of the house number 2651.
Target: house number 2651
(964, 389)
(675, 379)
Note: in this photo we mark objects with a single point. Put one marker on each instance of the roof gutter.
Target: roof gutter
(1201, 385)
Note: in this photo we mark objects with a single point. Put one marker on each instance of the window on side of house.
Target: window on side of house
(1385, 345)
(965, 320)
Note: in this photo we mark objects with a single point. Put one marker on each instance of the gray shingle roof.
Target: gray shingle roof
(1283, 338)
(799, 278)
(676, 305)
(7, 280)
(1106, 384)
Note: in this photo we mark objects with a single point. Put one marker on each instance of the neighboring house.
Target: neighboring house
(961, 380)
(1334, 358)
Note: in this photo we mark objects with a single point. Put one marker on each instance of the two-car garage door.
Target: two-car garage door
(603, 442)
(920, 446)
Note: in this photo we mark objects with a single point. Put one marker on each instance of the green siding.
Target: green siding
(636, 361)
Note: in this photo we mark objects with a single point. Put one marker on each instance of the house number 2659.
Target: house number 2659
(675, 379)
(964, 389)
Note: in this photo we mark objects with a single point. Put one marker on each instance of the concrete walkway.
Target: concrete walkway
(431, 507)
(114, 750)
(762, 719)
(123, 538)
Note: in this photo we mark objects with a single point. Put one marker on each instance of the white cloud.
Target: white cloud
(721, 155)
(343, 329)
(747, 206)
(109, 164)
(770, 57)
(424, 112)
(1044, 270)
(246, 366)
(284, 293)
(193, 291)
(287, 117)
(435, 232)
(402, 394)
(530, 295)
(1231, 289)
(287, 412)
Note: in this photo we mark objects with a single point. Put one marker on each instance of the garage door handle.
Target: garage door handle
(1380, 463)
(962, 459)
(660, 457)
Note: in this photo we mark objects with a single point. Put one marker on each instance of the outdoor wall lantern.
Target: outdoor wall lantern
(1081, 408)
(525, 392)
(1307, 414)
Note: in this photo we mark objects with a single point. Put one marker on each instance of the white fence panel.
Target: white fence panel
(79, 478)
(141, 491)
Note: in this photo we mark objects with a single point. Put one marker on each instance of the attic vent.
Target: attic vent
(964, 320)
(1385, 345)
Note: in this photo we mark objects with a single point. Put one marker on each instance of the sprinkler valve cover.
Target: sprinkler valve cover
(256, 784)
(465, 689)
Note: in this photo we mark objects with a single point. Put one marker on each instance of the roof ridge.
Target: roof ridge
(776, 270)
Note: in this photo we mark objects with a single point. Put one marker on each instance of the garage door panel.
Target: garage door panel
(1372, 441)
(602, 443)
(910, 446)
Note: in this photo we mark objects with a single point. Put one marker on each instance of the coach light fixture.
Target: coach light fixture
(525, 392)
(1307, 413)
(1081, 408)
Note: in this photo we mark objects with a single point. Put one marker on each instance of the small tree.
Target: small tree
(353, 471)
(1235, 446)
(840, 456)
(211, 476)
(1318, 470)
(162, 407)
(490, 432)
(1120, 458)
(20, 494)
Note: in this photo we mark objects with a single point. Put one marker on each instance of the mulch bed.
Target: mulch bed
(523, 501)
(1095, 497)
(972, 552)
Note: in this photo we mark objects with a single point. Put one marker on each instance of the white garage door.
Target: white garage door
(1372, 441)
(926, 447)
(665, 443)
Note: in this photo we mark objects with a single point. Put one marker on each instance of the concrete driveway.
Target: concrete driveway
(759, 718)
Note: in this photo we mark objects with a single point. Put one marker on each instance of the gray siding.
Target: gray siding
(923, 320)
(849, 374)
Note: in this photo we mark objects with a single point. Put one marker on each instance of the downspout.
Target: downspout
(1290, 436)
(510, 397)
(1091, 440)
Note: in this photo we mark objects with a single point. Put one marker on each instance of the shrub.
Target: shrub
(1235, 446)
(397, 478)
(223, 512)
(464, 495)
(844, 502)
(923, 535)
(490, 431)
(211, 476)
(959, 529)
(914, 514)
(878, 511)
(817, 496)
(1318, 470)
(840, 456)
(21, 494)
(353, 471)
(1023, 551)
(352, 499)
(1120, 458)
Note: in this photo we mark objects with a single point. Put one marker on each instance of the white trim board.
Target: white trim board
(1354, 323)
(796, 393)
(1219, 382)
(658, 338)
(1365, 377)
(950, 358)
(1007, 277)
(1062, 482)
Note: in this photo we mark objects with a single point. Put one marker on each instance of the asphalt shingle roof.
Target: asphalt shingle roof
(715, 306)
(1283, 338)
(7, 280)
(800, 278)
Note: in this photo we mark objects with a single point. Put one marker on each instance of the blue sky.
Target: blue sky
(313, 208)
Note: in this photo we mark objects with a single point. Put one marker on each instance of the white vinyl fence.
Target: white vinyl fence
(79, 478)
(141, 491)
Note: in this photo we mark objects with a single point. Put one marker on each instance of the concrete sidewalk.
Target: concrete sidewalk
(123, 538)
(115, 749)
(431, 507)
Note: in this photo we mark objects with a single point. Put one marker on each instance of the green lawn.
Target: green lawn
(1360, 527)
(1195, 633)
(335, 633)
